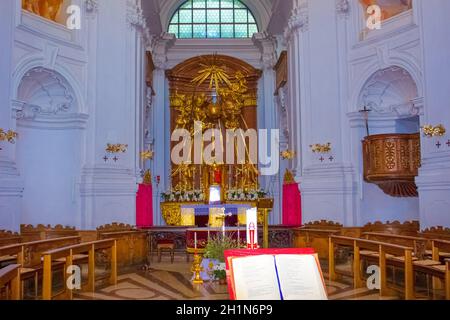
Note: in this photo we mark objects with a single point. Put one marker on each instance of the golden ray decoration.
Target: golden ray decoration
(210, 70)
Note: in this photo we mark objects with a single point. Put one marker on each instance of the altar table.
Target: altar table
(208, 215)
(203, 234)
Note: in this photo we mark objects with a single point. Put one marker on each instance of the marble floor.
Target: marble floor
(166, 281)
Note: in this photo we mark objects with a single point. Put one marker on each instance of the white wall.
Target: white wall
(61, 176)
(331, 60)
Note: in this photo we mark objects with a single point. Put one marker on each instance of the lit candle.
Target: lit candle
(195, 240)
(239, 237)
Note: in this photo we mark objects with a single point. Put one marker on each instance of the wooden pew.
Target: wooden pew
(315, 235)
(68, 253)
(439, 233)
(408, 228)
(9, 241)
(418, 243)
(440, 269)
(9, 237)
(7, 234)
(384, 254)
(132, 246)
(42, 232)
(10, 281)
(29, 256)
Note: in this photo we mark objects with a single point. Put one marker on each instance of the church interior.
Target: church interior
(145, 142)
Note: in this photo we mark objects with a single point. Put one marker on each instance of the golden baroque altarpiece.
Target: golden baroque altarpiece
(220, 92)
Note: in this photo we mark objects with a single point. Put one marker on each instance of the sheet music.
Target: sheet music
(255, 278)
(300, 278)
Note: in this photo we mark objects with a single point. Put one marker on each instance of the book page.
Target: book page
(255, 278)
(300, 278)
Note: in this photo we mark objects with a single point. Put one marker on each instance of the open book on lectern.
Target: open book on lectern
(277, 277)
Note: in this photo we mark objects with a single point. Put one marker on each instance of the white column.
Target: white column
(434, 175)
(108, 189)
(11, 187)
(316, 44)
(267, 118)
(161, 122)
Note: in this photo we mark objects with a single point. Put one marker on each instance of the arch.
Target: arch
(46, 90)
(261, 10)
(374, 67)
(34, 62)
(213, 19)
(388, 88)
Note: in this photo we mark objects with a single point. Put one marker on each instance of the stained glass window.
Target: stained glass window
(213, 19)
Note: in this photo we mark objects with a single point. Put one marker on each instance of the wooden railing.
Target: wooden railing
(68, 253)
(10, 279)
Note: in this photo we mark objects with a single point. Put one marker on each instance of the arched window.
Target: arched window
(213, 19)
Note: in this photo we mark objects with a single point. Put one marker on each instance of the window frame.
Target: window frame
(219, 34)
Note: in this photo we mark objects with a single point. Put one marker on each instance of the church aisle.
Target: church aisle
(165, 281)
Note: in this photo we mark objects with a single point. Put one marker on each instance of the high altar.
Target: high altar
(220, 93)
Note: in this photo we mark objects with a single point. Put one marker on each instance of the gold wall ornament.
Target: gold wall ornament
(288, 154)
(147, 155)
(171, 213)
(433, 131)
(392, 162)
(47, 9)
(9, 136)
(288, 177)
(147, 178)
(321, 148)
(116, 148)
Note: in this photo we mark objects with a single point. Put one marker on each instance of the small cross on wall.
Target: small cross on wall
(331, 158)
(448, 143)
(115, 159)
(105, 158)
(321, 159)
(438, 144)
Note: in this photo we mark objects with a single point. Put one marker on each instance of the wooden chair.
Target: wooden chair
(10, 281)
(166, 245)
(68, 255)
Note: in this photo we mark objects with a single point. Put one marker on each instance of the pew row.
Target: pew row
(67, 254)
(10, 281)
(29, 256)
(383, 253)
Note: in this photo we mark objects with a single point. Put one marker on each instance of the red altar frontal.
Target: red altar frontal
(197, 238)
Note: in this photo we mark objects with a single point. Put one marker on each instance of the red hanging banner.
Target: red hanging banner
(144, 206)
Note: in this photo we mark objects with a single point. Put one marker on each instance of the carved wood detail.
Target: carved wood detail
(392, 162)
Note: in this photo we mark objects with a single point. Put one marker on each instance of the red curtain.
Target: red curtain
(144, 206)
(292, 206)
